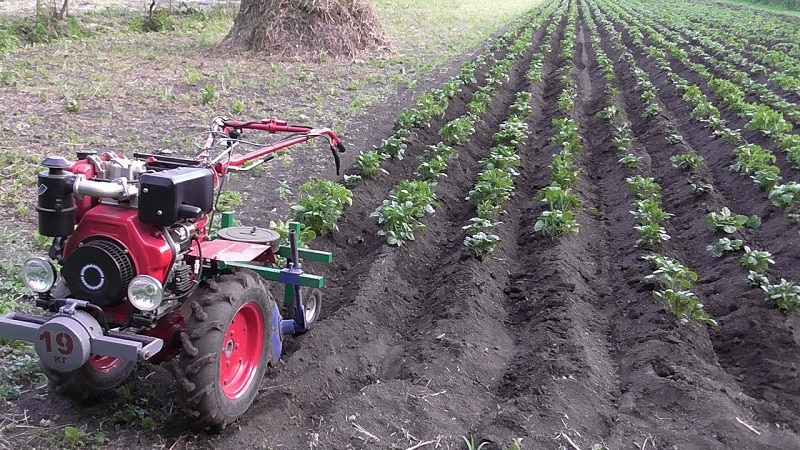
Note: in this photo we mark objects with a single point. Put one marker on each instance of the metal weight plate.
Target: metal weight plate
(251, 235)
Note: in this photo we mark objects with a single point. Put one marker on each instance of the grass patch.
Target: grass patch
(457, 26)
(790, 7)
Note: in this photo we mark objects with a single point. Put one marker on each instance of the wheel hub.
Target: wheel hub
(241, 350)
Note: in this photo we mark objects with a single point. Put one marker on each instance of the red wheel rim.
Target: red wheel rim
(240, 356)
(104, 364)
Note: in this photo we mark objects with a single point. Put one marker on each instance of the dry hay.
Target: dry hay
(303, 28)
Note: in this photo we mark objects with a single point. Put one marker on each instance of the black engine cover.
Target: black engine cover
(169, 195)
(99, 271)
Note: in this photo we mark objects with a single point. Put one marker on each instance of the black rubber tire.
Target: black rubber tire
(213, 307)
(305, 294)
(85, 384)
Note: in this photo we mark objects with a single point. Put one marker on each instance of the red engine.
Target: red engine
(143, 224)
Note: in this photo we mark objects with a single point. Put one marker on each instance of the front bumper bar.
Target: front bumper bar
(133, 347)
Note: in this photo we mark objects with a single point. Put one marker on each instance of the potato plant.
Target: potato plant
(321, 205)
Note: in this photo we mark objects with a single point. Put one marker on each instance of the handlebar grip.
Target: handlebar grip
(340, 147)
(336, 156)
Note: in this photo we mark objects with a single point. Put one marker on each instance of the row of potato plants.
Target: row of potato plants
(563, 205)
(730, 59)
(752, 160)
(400, 215)
(322, 202)
(494, 184)
(672, 23)
(766, 117)
(783, 294)
(434, 103)
(765, 40)
(761, 117)
(672, 280)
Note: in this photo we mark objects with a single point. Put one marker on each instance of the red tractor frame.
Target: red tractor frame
(135, 273)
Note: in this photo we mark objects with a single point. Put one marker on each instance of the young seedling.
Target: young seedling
(729, 222)
(785, 295)
(756, 260)
(369, 164)
(686, 161)
(723, 245)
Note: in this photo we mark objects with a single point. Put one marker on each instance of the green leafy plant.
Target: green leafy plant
(400, 214)
(700, 188)
(321, 205)
(785, 196)
(648, 211)
(684, 305)
(481, 244)
(282, 228)
(512, 132)
(477, 224)
(723, 245)
(564, 172)
(644, 187)
(521, 107)
(192, 76)
(767, 121)
(609, 112)
(767, 177)
(458, 130)
(757, 279)
(630, 160)
(493, 185)
(650, 234)
(432, 167)
(756, 260)
(209, 94)
(559, 198)
(728, 222)
(669, 273)
(237, 108)
(673, 281)
(652, 110)
(751, 157)
(556, 222)
(472, 445)
(369, 164)
(392, 147)
(674, 139)
(785, 295)
(687, 161)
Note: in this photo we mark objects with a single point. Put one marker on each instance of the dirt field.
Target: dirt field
(557, 343)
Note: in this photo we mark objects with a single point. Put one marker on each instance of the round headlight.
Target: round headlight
(145, 293)
(39, 274)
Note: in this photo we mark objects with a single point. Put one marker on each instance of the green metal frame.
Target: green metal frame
(273, 274)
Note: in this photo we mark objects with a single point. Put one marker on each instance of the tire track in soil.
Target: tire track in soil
(417, 337)
(700, 367)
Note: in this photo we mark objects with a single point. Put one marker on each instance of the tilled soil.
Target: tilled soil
(557, 342)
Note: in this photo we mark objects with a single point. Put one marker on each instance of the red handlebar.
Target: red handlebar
(301, 134)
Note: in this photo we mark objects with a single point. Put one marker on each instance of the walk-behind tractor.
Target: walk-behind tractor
(135, 272)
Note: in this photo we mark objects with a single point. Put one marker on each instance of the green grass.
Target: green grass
(790, 7)
(456, 25)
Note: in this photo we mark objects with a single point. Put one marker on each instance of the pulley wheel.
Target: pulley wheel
(251, 235)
